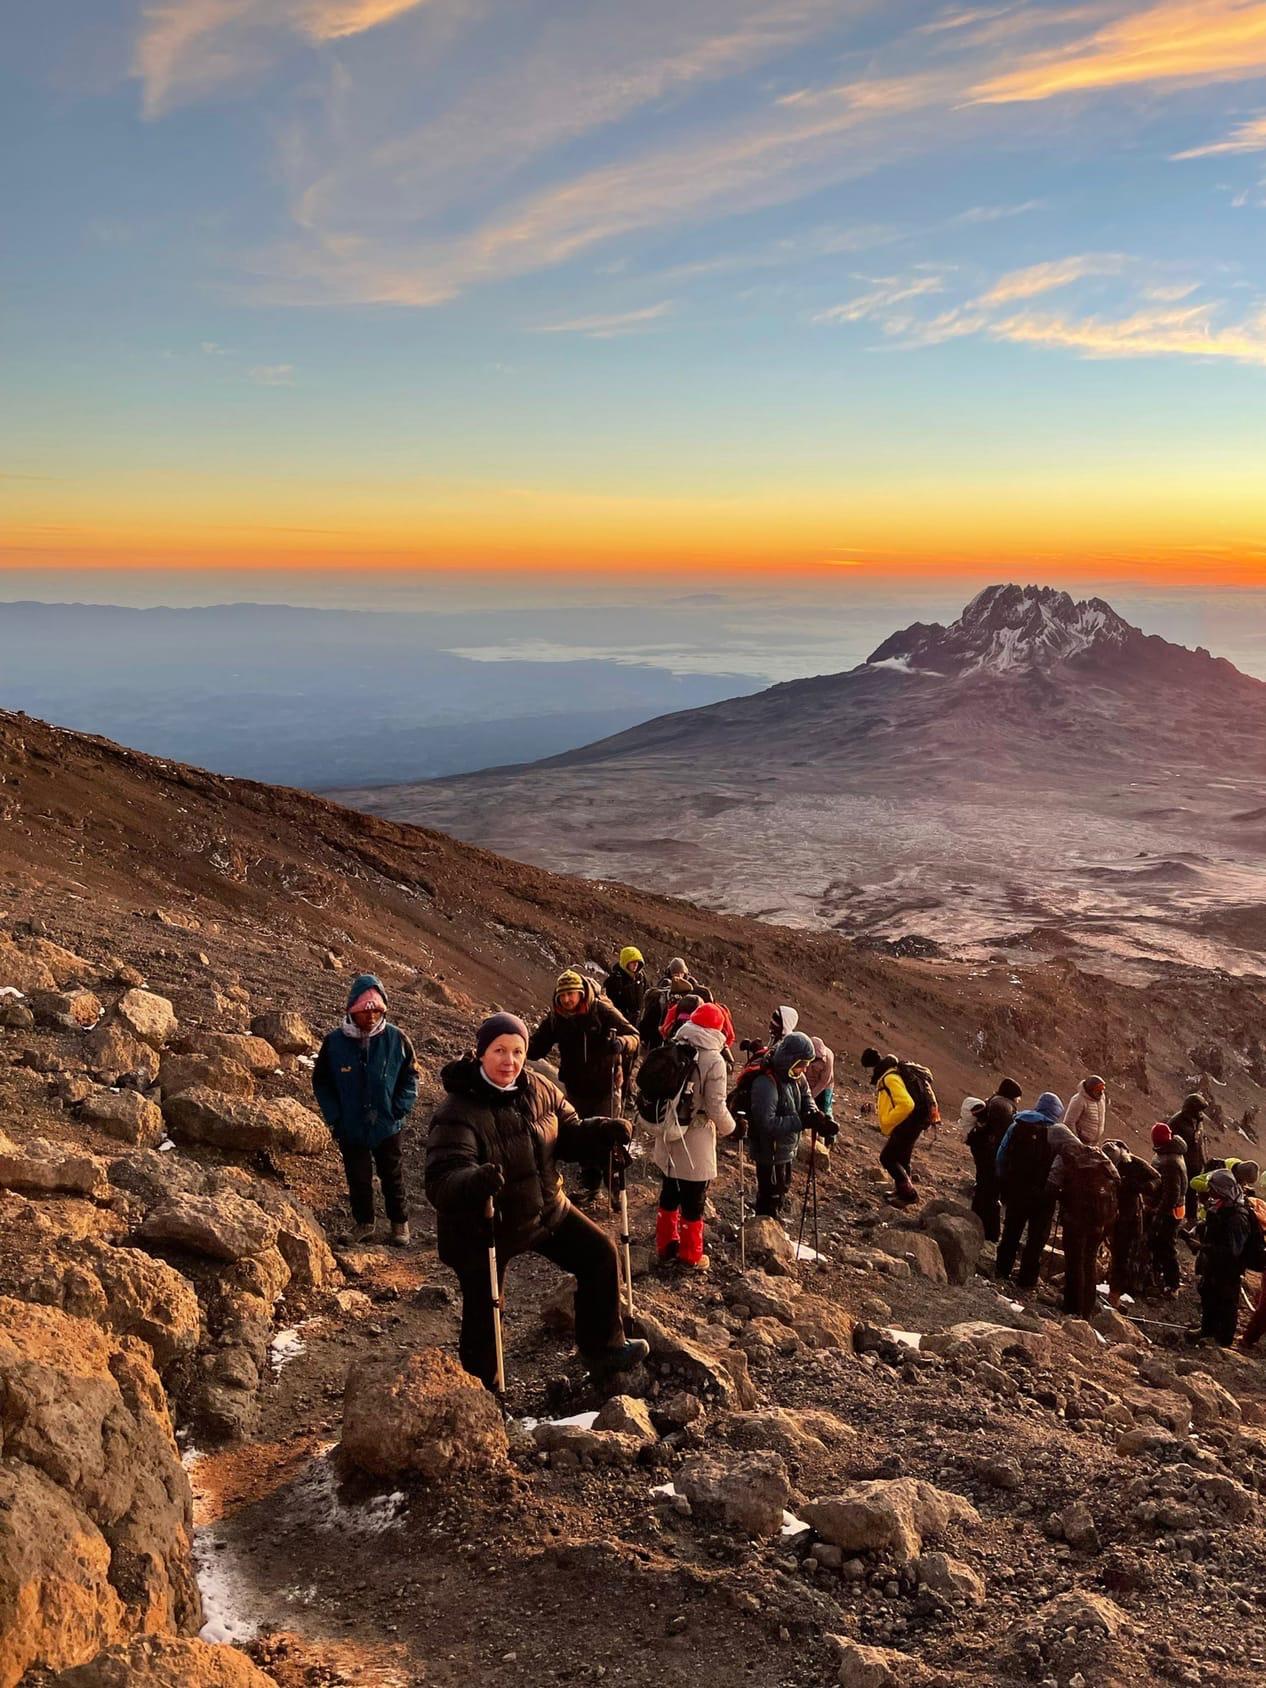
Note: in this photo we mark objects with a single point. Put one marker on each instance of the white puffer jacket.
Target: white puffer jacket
(1087, 1116)
(693, 1156)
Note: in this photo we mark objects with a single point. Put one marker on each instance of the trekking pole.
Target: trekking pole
(814, 1184)
(809, 1184)
(495, 1283)
(624, 1255)
(742, 1208)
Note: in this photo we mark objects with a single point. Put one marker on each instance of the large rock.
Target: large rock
(921, 1252)
(208, 1072)
(223, 1227)
(1208, 1401)
(128, 1293)
(421, 1415)
(580, 1444)
(254, 1053)
(66, 967)
(1078, 1608)
(877, 1667)
(116, 1055)
(56, 1602)
(69, 1010)
(887, 1516)
(231, 1122)
(768, 1245)
(628, 1415)
(756, 1295)
(87, 1412)
(820, 1323)
(127, 1115)
(147, 1016)
(950, 1577)
(717, 1376)
(800, 1437)
(300, 1240)
(287, 1032)
(48, 1168)
(25, 973)
(981, 1340)
(167, 1661)
(960, 1242)
(748, 1494)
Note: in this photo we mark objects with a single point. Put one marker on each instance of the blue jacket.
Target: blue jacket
(781, 1107)
(365, 1090)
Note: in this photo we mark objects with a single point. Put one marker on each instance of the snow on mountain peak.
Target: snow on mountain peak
(1008, 628)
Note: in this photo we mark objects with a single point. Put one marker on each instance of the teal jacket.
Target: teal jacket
(365, 1091)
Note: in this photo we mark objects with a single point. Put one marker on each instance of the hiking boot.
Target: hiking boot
(619, 1359)
(400, 1237)
(667, 1234)
(587, 1196)
(691, 1251)
(361, 1234)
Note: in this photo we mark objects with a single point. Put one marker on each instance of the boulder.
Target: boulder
(167, 1661)
(25, 973)
(921, 1252)
(980, 1339)
(812, 1148)
(1077, 1527)
(1117, 1328)
(47, 1168)
(756, 1295)
(207, 1072)
(887, 1516)
(65, 966)
(577, 1444)
(253, 1053)
(876, 1667)
(115, 1054)
(223, 1227)
(127, 1115)
(287, 1032)
(628, 1415)
(768, 1245)
(300, 1240)
(147, 1016)
(748, 1494)
(232, 1122)
(70, 1010)
(717, 1376)
(819, 1323)
(1078, 1608)
(421, 1414)
(1208, 1402)
(152, 1177)
(128, 1293)
(951, 1578)
(960, 1242)
(56, 1602)
(86, 1410)
(800, 1437)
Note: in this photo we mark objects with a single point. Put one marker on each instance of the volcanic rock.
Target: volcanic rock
(421, 1415)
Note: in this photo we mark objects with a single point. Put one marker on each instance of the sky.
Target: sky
(698, 288)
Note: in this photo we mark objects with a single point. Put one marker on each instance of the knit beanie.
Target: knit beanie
(871, 1057)
(676, 967)
(1010, 1089)
(568, 980)
(495, 1026)
(1247, 1173)
(709, 1017)
(1161, 1134)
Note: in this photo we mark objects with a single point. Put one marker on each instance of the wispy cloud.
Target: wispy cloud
(886, 294)
(1247, 137)
(610, 327)
(1191, 333)
(272, 374)
(1035, 279)
(1176, 41)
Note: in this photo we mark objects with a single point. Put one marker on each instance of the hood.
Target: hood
(967, 1113)
(784, 1020)
(365, 982)
(629, 954)
(790, 1049)
(1049, 1106)
(1088, 1083)
(882, 1067)
(701, 1037)
(819, 1048)
(1194, 1105)
(1171, 1146)
(465, 1078)
(1224, 1189)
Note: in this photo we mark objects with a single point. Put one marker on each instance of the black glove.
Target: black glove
(740, 1128)
(828, 1131)
(488, 1180)
(615, 1040)
(615, 1133)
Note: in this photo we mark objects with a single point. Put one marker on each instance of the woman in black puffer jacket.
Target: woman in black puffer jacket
(499, 1133)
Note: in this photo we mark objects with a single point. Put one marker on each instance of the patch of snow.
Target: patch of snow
(306, 1060)
(583, 1421)
(287, 1345)
(804, 1252)
(907, 1338)
(667, 1490)
(1101, 1289)
(316, 1495)
(1127, 1301)
(13, 991)
(223, 1589)
(166, 1146)
(1015, 1306)
(792, 1526)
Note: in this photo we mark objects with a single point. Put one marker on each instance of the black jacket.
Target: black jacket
(586, 1050)
(1140, 1186)
(1190, 1128)
(655, 1006)
(526, 1132)
(1171, 1165)
(626, 991)
(985, 1138)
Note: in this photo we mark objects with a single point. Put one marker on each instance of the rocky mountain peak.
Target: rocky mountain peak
(1009, 627)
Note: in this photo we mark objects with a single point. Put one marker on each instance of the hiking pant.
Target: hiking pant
(1081, 1247)
(985, 1203)
(684, 1196)
(578, 1246)
(592, 1100)
(1163, 1241)
(1255, 1329)
(1031, 1219)
(898, 1151)
(1220, 1306)
(825, 1099)
(359, 1163)
(773, 1180)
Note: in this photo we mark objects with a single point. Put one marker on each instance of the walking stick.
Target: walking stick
(494, 1278)
(810, 1183)
(742, 1208)
(624, 1258)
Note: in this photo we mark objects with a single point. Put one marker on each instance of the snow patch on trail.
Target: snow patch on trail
(907, 1338)
(582, 1421)
(316, 1498)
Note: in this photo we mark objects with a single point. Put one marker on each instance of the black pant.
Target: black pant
(359, 1163)
(1220, 1306)
(899, 1150)
(1162, 1241)
(984, 1202)
(773, 1180)
(578, 1246)
(1033, 1215)
(685, 1194)
(590, 1101)
(1081, 1250)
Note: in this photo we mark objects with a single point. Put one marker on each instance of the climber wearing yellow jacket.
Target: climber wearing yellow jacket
(905, 1105)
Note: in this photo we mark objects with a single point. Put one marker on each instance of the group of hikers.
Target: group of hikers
(668, 1053)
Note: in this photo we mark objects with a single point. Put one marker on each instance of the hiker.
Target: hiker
(1256, 1326)
(905, 1105)
(1188, 1124)
(1085, 1183)
(676, 981)
(984, 1140)
(679, 1011)
(365, 1081)
(1023, 1167)
(625, 984)
(782, 1022)
(821, 1076)
(685, 1141)
(779, 1109)
(1088, 1111)
(1232, 1245)
(498, 1134)
(1171, 1207)
(593, 1039)
(1136, 1194)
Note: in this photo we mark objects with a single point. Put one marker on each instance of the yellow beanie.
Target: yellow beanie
(630, 954)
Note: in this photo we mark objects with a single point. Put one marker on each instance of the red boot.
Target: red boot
(667, 1232)
(691, 1250)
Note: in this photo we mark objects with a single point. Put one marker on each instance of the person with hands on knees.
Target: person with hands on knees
(365, 1081)
(499, 1133)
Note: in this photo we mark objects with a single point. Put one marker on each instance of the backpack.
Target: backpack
(1094, 1189)
(918, 1081)
(739, 1101)
(1030, 1157)
(663, 1085)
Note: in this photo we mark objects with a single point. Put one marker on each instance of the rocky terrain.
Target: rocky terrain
(865, 1466)
(1037, 773)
